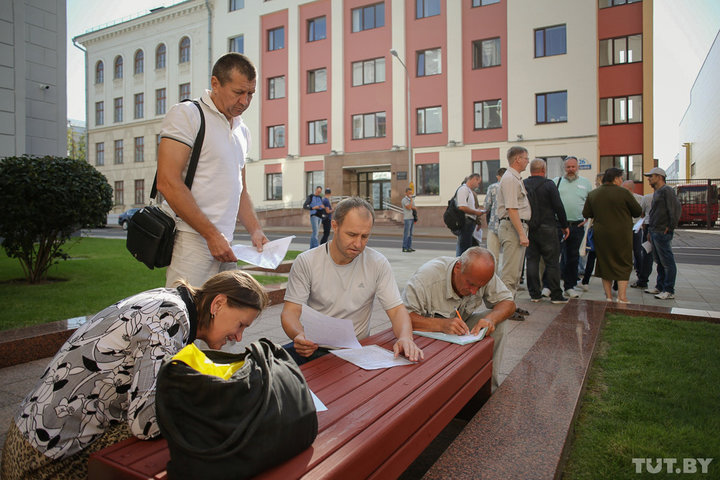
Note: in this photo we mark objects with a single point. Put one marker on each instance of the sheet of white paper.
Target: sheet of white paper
(638, 224)
(328, 331)
(647, 246)
(459, 339)
(477, 235)
(319, 405)
(273, 253)
(371, 357)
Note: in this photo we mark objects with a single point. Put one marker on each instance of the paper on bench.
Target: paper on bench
(273, 253)
(328, 331)
(371, 357)
(319, 405)
(459, 339)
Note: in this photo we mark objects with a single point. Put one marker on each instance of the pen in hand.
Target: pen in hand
(464, 325)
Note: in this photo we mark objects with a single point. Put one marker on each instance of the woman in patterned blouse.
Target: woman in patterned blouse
(100, 386)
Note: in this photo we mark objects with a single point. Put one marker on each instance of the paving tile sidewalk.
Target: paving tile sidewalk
(696, 289)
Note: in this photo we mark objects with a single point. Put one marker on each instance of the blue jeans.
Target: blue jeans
(315, 223)
(663, 255)
(465, 239)
(407, 233)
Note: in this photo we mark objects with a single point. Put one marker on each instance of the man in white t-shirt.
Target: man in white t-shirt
(467, 202)
(207, 213)
(341, 279)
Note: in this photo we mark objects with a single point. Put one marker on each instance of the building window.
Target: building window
(139, 150)
(237, 44)
(427, 8)
(118, 110)
(140, 192)
(313, 180)
(482, 3)
(488, 114)
(368, 125)
(118, 152)
(99, 72)
(118, 67)
(184, 50)
(368, 71)
(160, 56)
(99, 113)
(550, 41)
(273, 186)
(139, 105)
(366, 18)
(316, 29)
(100, 154)
(488, 173)
(276, 136)
(160, 101)
(184, 91)
(429, 120)
(616, 51)
(486, 53)
(551, 107)
(119, 193)
(317, 80)
(429, 62)
(276, 38)
(317, 132)
(631, 164)
(615, 3)
(276, 88)
(139, 62)
(235, 5)
(621, 110)
(428, 179)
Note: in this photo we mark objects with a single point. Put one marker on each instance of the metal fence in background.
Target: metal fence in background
(699, 200)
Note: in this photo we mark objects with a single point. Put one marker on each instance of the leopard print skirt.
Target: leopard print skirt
(21, 461)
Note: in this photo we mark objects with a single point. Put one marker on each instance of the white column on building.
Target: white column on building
(399, 82)
(293, 127)
(337, 99)
(454, 72)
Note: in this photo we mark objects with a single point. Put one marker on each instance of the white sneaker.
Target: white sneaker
(652, 290)
(665, 296)
(572, 293)
(545, 292)
(585, 287)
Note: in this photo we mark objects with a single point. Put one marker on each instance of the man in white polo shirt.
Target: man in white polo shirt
(207, 213)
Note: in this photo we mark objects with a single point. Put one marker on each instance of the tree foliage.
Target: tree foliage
(43, 200)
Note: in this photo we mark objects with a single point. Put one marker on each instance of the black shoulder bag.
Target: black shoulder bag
(151, 232)
(262, 415)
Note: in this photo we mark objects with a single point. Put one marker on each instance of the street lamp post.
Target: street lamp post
(394, 53)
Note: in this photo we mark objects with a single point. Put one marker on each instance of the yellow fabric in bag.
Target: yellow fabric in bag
(193, 357)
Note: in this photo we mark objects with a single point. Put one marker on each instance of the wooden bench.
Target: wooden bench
(377, 421)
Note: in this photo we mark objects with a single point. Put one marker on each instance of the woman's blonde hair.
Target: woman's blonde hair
(241, 289)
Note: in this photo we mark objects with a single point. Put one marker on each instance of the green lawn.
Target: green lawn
(653, 393)
(99, 273)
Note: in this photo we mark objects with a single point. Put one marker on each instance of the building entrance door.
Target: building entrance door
(375, 187)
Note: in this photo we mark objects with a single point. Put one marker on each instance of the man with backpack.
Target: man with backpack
(547, 214)
(314, 203)
(466, 202)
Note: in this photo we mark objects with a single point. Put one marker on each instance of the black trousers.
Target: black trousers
(570, 256)
(544, 243)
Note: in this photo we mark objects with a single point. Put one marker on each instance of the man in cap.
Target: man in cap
(664, 217)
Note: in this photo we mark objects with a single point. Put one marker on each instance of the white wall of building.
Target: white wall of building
(700, 124)
(33, 59)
